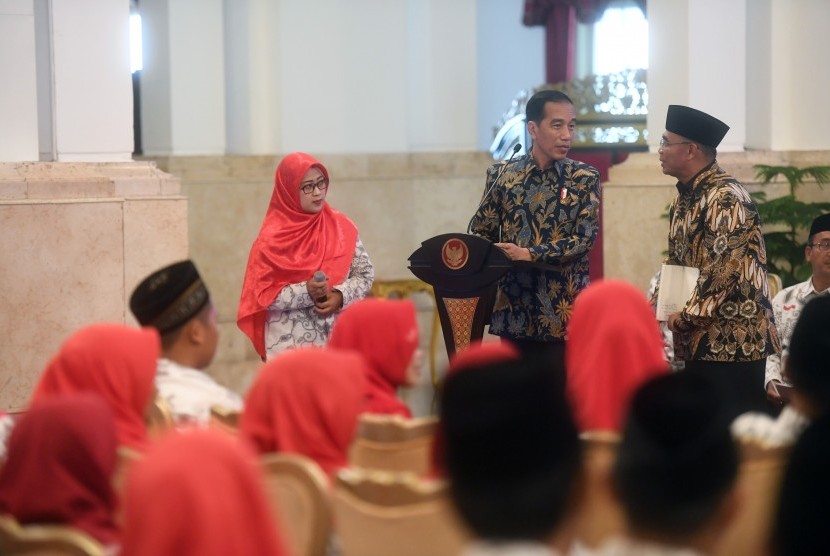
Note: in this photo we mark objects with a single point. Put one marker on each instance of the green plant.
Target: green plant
(789, 218)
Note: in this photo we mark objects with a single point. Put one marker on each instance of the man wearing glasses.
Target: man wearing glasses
(726, 329)
(788, 303)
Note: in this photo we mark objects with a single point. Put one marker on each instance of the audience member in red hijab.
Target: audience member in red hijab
(385, 332)
(61, 459)
(198, 493)
(283, 305)
(116, 362)
(306, 401)
(614, 345)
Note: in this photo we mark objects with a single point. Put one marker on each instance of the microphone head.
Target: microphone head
(319, 276)
(517, 148)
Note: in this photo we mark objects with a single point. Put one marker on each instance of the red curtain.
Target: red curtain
(559, 18)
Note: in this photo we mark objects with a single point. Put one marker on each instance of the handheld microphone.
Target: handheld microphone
(320, 276)
(489, 190)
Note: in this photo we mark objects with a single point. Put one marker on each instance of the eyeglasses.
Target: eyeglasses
(823, 245)
(308, 188)
(664, 143)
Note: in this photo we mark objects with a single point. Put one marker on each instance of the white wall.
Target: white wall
(511, 57)
(18, 108)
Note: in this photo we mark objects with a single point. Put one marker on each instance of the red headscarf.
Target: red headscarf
(614, 345)
(116, 362)
(385, 332)
(61, 458)
(306, 401)
(482, 353)
(198, 493)
(291, 246)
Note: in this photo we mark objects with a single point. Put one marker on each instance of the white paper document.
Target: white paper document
(676, 286)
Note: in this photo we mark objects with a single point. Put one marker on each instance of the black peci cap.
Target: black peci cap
(169, 297)
(695, 125)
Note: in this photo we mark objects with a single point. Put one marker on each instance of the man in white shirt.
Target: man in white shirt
(175, 301)
(787, 304)
(512, 455)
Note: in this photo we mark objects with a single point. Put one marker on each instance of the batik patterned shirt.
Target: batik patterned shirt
(554, 212)
(714, 226)
(291, 320)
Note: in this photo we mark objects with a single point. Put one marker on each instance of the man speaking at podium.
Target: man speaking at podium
(541, 207)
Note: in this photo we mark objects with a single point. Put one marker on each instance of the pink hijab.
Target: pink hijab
(292, 244)
(614, 345)
(385, 333)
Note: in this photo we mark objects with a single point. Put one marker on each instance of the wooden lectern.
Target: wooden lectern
(463, 271)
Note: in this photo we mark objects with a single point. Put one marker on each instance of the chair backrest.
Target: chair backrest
(759, 479)
(43, 540)
(393, 443)
(600, 516)
(395, 514)
(223, 416)
(159, 417)
(298, 490)
(775, 284)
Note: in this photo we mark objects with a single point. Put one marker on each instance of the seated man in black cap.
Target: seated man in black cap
(676, 468)
(806, 368)
(512, 457)
(175, 301)
(726, 329)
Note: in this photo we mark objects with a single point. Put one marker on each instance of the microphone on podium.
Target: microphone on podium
(516, 148)
(320, 276)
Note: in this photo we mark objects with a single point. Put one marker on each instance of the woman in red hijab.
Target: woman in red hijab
(306, 401)
(114, 361)
(61, 460)
(385, 332)
(198, 493)
(614, 345)
(285, 303)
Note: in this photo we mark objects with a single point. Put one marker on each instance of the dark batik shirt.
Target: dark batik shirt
(714, 226)
(555, 213)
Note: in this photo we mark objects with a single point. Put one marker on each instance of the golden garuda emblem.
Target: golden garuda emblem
(455, 253)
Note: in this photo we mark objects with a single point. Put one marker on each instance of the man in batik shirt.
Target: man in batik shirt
(726, 329)
(542, 207)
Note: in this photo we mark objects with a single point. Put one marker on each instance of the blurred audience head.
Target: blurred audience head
(807, 363)
(800, 526)
(481, 353)
(385, 332)
(307, 401)
(198, 493)
(114, 361)
(511, 450)
(62, 454)
(677, 463)
(175, 301)
(614, 345)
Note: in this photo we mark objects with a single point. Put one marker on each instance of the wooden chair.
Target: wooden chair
(298, 490)
(159, 418)
(775, 284)
(393, 443)
(759, 478)
(43, 540)
(225, 420)
(600, 517)
(395, 514)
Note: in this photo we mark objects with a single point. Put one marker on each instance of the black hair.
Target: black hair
(677, 459)
(511, 448)
(807, 366)
(535, 108)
